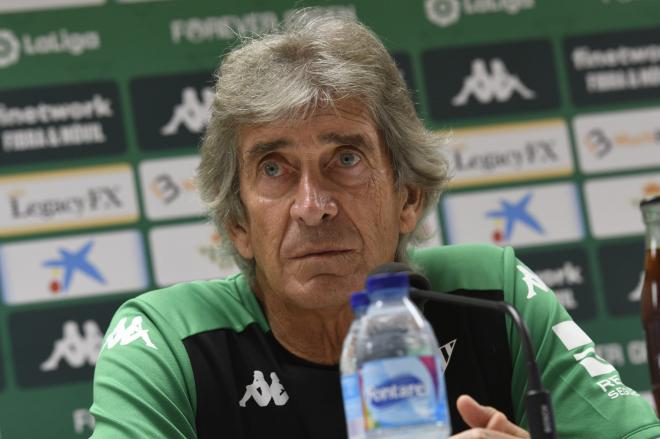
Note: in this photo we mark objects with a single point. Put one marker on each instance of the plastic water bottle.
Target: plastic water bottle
(350, 378)
(403, 387)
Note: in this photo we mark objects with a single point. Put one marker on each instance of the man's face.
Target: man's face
(321, 206)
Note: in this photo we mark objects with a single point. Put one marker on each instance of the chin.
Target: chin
(325, 291)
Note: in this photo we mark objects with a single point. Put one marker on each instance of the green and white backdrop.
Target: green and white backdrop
(553, 107)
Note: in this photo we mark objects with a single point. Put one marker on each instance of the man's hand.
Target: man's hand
(485, 422)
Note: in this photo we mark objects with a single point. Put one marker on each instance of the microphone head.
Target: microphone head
(417, 280)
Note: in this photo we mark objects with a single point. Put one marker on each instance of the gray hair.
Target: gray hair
(312, 61)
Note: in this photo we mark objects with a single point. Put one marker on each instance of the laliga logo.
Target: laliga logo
(10, 48)
(443, 12)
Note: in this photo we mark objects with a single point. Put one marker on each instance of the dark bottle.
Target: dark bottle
(651, 290)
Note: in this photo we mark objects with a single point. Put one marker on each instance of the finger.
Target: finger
(474, 414)
(481, 433)
(479, 416)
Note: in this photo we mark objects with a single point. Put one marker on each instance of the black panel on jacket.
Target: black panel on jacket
(480, 364)
(224, 363)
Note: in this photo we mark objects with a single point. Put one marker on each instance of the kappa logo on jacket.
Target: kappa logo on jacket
(263, 393)
(124, 335)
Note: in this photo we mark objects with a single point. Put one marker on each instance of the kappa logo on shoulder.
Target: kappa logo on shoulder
(125, 335)
(532, 280)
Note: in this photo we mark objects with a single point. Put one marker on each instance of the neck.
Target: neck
(314, 335)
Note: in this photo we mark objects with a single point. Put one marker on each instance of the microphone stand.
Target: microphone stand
(537, 401)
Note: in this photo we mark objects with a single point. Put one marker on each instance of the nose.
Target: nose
(313, 204)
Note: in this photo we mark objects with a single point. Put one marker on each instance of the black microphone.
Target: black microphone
(537, 401)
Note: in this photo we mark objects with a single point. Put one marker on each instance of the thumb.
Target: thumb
(474, 414)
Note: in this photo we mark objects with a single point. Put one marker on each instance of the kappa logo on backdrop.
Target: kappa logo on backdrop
(263, 393)
(75, 348)
(53, 346)
(171, 111)
(72, 262)
(124, 335)
(512, 213)
(62, 41)
(492, 82)
(193, 113)
(445, 13)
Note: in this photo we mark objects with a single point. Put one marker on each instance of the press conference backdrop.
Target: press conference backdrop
(552, 106)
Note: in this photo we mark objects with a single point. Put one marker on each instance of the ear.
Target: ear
(411, 209)
(240, 235)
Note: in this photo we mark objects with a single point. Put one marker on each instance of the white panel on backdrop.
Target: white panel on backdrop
(540, 214)
(613, 203)
(168, 188)
(72, 267)
(510, 152)
(618, 140)
(28, 5)
(66, 199)
(188, 252)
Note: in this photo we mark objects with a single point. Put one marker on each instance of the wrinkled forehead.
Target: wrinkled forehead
(350, 113)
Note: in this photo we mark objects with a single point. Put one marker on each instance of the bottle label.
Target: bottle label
(404, 391)
(350, 389)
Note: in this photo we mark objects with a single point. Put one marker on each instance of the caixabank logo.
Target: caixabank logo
(566, 272)
(519, 217)
(171, 111)
(614, 67)
(55, 42)
(490, 80)
(56, 346)
(72, 267)
(622, 268)
(60, 123)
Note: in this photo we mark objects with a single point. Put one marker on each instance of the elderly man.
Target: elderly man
(316, 169)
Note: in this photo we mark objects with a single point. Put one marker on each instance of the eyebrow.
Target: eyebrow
(263, 148)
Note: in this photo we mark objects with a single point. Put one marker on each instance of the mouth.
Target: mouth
(322, 253)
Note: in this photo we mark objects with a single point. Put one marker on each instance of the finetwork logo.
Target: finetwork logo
(445, 13)
(61, 41)
(488, 85)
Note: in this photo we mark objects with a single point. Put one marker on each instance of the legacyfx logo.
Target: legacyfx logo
(61, 41)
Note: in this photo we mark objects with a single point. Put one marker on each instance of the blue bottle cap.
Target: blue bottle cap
(359, 299)
(387, 280)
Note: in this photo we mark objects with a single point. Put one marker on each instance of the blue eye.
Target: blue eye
(349, 159)
(272, 169)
